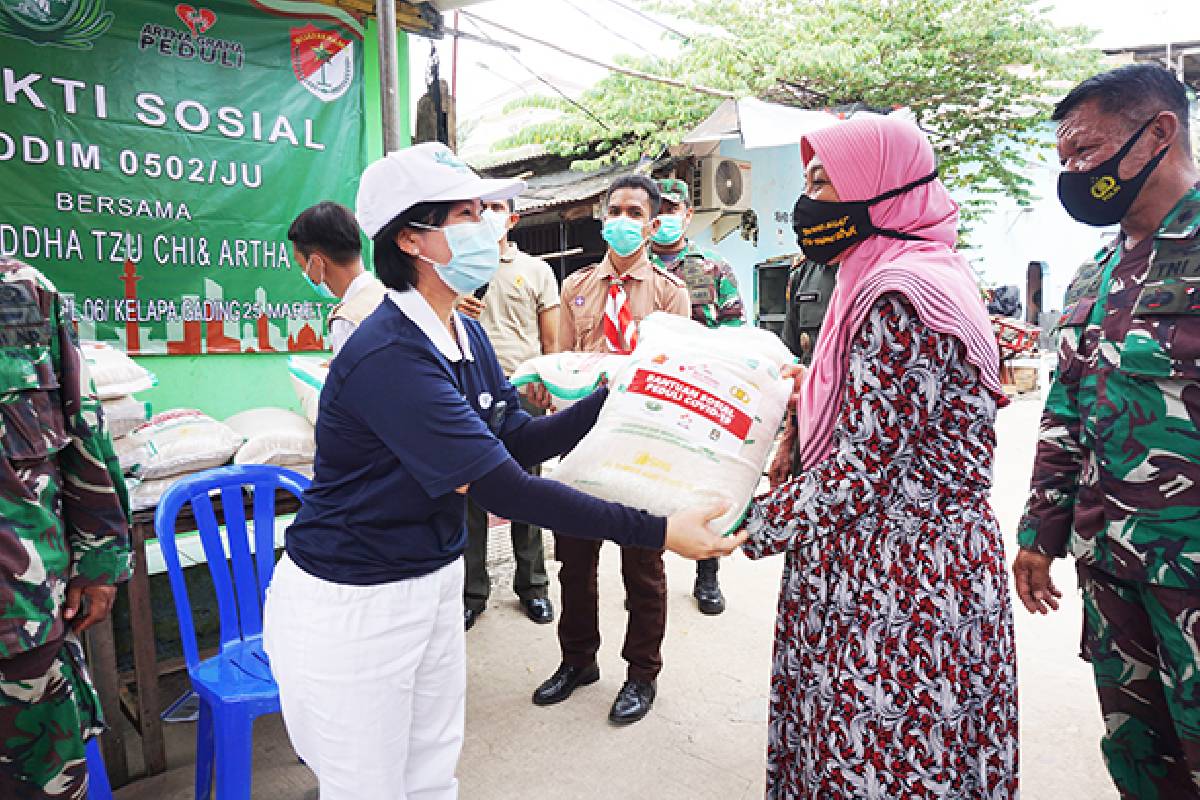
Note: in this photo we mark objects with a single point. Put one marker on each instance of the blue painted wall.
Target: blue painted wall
(776, 180)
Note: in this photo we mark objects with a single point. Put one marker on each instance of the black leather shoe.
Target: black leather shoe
(470, 615)
(708, 594)
(566, 679)
(633, 702)
(539, 610)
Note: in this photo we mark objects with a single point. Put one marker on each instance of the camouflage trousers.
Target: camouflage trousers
(1143, 642)
(44, 722)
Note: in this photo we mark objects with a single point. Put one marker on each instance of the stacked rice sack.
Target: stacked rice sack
(184, 441)
(275, 436)
(174, 444)
(117, 377)
(690, 419)
(155, 451)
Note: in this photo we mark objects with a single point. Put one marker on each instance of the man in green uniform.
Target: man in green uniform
(713, 292)
(64, 540)
(1116, 478)
(809, 288)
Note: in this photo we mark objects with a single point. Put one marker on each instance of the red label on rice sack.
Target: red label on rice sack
(693, 399)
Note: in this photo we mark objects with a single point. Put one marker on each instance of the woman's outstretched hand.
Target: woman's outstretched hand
(797, 374)
(688, 533)
(780, 468)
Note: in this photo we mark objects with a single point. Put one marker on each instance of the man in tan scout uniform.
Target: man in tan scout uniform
(601, 307)
(329, 253)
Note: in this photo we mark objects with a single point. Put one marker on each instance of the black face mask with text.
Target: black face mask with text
(1099, 197)
(824, 229)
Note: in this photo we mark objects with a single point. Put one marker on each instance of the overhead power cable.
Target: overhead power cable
(650, 19)
(530, 70)
(673, 31)
(633, 73)
(601, 25)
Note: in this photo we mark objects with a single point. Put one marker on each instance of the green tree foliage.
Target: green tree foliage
(980, 75)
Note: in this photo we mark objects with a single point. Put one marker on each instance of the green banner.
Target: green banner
(153, 155)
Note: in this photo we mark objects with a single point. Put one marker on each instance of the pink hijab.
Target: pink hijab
(864, 158)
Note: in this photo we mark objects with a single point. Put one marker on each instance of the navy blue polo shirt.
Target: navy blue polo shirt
(403, 422)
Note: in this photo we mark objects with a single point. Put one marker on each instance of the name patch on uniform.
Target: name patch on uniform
(1175, 258)
(702, 289)
(807, 297)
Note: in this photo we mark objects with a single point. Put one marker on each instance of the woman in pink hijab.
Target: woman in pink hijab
(894, 673)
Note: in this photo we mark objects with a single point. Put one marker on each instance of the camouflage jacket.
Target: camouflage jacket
(63, 508)
(1116, 479)
(712, 286)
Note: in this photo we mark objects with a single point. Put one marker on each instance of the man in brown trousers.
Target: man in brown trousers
(601, 308)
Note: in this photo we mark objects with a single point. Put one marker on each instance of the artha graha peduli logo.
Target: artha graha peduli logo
(198, 20)
(192, 43)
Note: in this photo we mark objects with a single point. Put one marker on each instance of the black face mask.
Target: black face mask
(1099, 197)
(824, 229)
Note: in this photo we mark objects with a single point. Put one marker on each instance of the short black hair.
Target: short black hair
(328, 227)
(1134, 91)
(637, 182)
(396, 268)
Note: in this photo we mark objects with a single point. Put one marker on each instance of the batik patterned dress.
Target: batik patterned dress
(894, 672)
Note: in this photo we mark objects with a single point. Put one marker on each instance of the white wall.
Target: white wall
(1009, 237)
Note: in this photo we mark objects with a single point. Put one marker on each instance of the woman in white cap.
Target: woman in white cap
(364, 615)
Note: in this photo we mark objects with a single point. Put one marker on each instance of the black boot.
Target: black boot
(633, 702)
(707, 591)
(565, 680)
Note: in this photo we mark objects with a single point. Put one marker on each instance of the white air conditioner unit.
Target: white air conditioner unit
(721, 184)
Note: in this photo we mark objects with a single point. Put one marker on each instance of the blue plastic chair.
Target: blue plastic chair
(98, 786)
(236, 685)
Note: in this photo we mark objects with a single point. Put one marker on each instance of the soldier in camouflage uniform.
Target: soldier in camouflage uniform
(713, 291)
(1116, 480)
(64, 541)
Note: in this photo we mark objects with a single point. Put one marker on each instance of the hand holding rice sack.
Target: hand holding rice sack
(563, 379)
(690, 420)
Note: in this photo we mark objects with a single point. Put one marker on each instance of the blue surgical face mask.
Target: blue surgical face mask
(670, 229)
(323, 291)
(624, 235)
(474, 253)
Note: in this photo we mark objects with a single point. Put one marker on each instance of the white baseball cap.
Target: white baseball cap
(424, 173)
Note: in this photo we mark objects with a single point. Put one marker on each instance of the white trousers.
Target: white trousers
(372, 680)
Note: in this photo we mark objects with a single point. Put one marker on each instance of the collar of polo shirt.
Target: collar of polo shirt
(414, 306)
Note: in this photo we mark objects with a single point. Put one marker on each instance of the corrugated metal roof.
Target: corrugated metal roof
(559, 189)
(506, 158)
